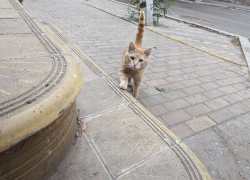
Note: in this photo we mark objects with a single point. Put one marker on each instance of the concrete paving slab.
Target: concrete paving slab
(9, 13)
(21, 46)
(123, 139)
(8, 26)
(81, 163)
(4, 4)
(211, 149)
(239, 146)
(158, 167)
(225, 148)
(87, 73)
(97, 97)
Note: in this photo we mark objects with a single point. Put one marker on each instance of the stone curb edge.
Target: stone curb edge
(244, 42)
(217, 5)
(245, 45)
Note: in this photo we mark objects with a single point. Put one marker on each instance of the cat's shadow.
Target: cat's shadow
(130, 89)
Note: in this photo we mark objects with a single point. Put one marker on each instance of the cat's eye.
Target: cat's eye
(132, 58)
(140, 60)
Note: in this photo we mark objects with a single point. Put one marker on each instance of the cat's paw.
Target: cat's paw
(122, 85)
(135, 95)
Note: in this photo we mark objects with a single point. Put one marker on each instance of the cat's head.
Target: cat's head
(137, 57)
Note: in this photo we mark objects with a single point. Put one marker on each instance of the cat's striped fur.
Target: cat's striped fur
(140, 31)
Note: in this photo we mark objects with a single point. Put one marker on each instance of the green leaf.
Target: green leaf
(161, 89)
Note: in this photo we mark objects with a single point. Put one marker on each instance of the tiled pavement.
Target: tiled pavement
(201, 90)
(224, 46)
(207, 99)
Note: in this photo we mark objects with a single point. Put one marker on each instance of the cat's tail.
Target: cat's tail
(140, 31)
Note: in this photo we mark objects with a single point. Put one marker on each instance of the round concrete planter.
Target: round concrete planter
(38, 122)
(37, 156)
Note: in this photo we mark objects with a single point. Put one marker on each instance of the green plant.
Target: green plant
(132, 13)
(134, 2)
(159, 8)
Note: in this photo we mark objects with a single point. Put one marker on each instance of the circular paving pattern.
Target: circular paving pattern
(38, 88)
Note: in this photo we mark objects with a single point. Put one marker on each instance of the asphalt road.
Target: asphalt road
(233, 21)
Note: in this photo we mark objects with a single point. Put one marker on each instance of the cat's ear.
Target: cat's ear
(147, 52)
(131, 47)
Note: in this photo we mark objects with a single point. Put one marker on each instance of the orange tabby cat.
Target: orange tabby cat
(134, 60)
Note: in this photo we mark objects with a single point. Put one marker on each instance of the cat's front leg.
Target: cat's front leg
(137, 84)
(129, 81)
(136, 91)
(124, 80)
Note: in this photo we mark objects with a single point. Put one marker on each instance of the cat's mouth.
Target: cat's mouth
(133, 67)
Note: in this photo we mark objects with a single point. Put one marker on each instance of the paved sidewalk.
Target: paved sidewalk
(121, 139)
(206, 102)
(224, 46)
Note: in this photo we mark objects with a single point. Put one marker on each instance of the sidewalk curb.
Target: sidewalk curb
(245, 44)
(170, 37)
(148, 118)
(186, 1)
(217, 5)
